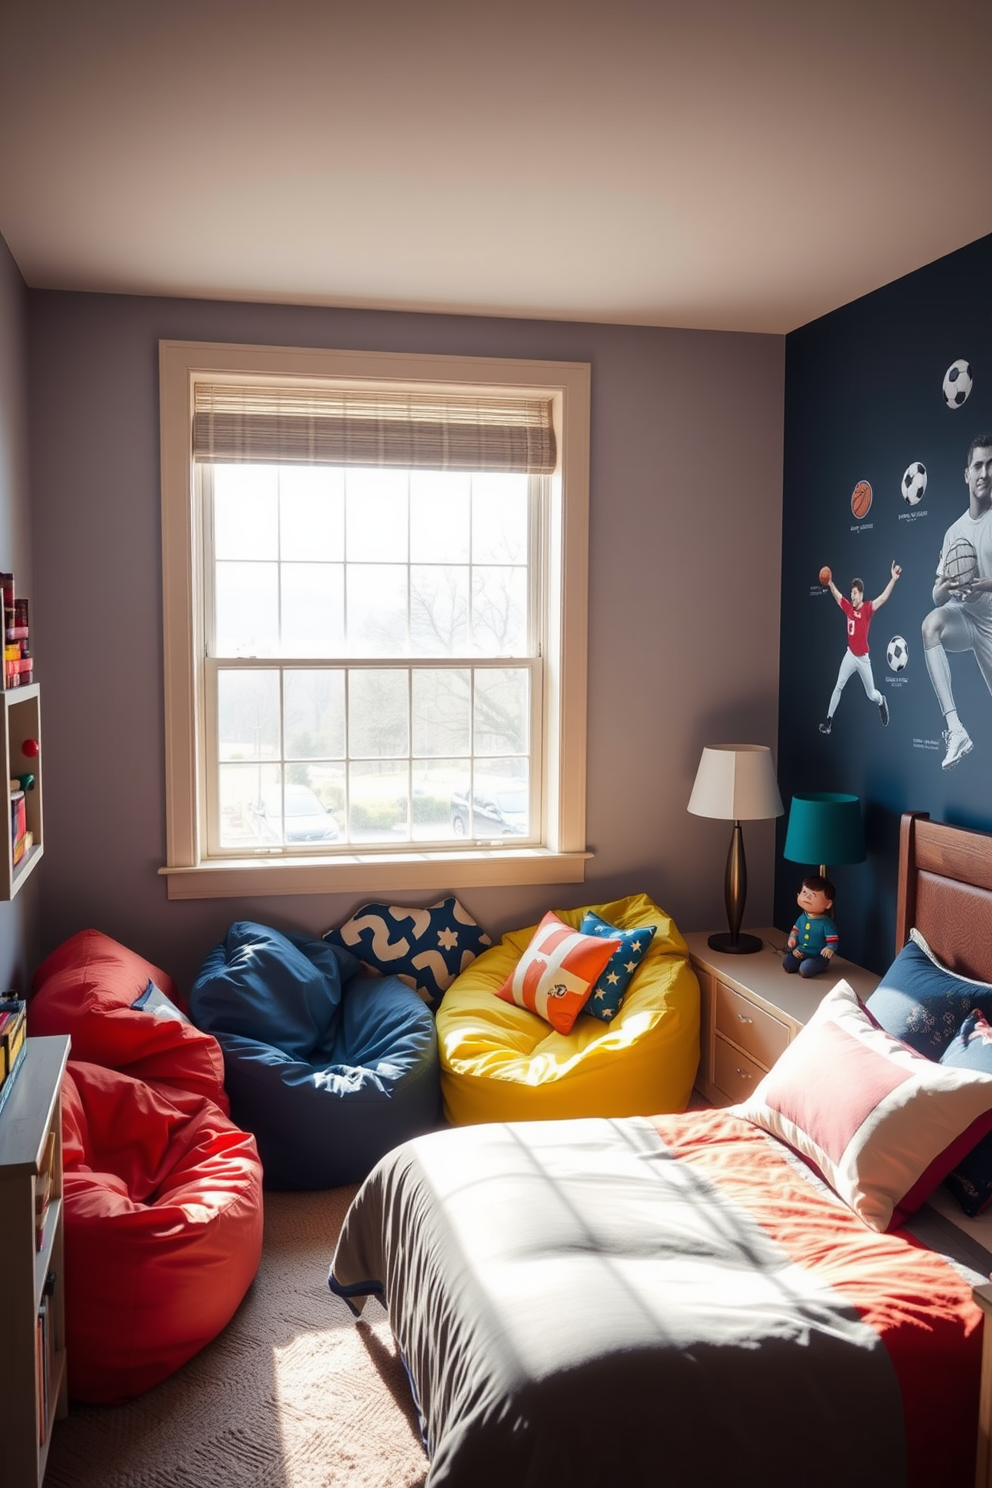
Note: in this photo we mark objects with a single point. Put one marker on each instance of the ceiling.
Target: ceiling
(729, 164)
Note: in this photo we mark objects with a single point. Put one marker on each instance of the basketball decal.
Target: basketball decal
(861, 499)
(961, 563)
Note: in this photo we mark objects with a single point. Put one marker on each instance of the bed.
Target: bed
(687, 1300)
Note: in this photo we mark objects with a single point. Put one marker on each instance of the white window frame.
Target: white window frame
(190, 873)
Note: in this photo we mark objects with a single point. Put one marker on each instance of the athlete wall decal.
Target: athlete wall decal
(858, 612)
(961, 619)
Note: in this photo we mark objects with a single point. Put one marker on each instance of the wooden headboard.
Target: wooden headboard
(945, 891)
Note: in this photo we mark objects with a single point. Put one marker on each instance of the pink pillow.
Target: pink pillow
(882, 1124)
(557, 972)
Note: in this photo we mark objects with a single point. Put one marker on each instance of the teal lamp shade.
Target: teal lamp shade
(825, 828)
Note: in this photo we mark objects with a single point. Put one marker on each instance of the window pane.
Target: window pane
(499, 611)
(441, 712)
(500, 805)
(311, 513)
(376, 515)
(246, 512)
(436, 786)
(328, 783)
(379, 803)
(439, 611)
(248, 715)
(436, 567)
(246, 596)
(312, 609)
(439, 516)
(240, 789)
(289, 813)
(313, 703)
(502, 711)
(499, 518)
(378, 714)
(377, 609)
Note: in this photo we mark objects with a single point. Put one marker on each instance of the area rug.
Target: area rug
(293, 1394)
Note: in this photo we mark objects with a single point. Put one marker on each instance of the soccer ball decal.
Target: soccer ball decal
(957, 383)
(914, 483)
(897, 654)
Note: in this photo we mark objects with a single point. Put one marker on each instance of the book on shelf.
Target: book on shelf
(13, 1034)
(46, 1357)
(43, 1372)
(18, 823)
(18, 667)
(43, 1188)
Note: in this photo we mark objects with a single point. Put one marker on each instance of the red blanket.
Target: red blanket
(918, 1304)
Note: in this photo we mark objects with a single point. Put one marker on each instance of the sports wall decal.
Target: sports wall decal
(960, 619)
(957, 383)
(914, 483)
(888, 508)
(858, 613)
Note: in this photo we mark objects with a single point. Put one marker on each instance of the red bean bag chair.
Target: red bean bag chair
(162, 1196)
(163, 1229)
(124, 1013)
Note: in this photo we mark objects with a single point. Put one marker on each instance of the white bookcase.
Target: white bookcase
(33, 1384)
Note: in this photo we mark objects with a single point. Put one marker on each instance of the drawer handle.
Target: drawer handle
(743, 1073)
(744, 1019)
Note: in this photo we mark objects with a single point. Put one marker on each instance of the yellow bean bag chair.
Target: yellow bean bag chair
(500, 1062)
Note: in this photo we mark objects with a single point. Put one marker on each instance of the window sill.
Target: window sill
(251, 877)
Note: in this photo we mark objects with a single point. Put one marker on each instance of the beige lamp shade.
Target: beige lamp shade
(736, 782)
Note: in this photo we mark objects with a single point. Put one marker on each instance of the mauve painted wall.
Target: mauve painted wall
(18, 918)
(684, 602)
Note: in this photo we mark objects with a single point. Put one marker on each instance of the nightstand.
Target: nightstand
(750, 1010)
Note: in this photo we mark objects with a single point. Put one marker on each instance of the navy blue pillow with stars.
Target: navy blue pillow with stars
(608, 993)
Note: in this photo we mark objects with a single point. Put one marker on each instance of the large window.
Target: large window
(374, 582)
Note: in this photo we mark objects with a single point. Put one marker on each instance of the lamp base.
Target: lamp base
(735, 945)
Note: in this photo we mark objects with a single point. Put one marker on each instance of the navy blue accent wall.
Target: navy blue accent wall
(865, 402)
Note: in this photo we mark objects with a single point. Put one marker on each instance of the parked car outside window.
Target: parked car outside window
(306, 818)
(498, 810)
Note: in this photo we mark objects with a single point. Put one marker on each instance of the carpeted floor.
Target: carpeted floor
(293, 1394)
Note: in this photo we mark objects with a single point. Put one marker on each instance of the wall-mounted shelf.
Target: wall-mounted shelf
(21, 721)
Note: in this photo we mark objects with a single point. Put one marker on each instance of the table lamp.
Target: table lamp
(736, 782)
(825, 827)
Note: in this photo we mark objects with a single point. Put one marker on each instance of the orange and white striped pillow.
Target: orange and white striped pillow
(557, 972)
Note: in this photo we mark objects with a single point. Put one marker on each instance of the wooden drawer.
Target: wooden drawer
(733, 1073)
(749, 1026)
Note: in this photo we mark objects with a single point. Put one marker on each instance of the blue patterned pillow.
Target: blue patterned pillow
(971, 1180)
(921, 1002)
(426, 948)
(608, 993)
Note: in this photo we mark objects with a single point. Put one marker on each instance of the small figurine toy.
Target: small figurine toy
(813, 941)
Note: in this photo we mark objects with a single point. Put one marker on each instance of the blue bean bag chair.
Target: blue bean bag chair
(328, 1067)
